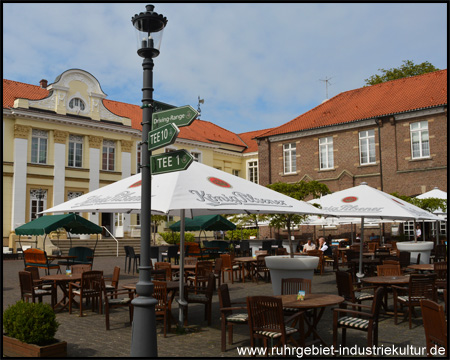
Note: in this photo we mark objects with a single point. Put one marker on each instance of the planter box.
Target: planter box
(300, 266)
(16, 348)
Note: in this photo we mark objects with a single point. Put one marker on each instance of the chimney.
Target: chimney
(43, 83)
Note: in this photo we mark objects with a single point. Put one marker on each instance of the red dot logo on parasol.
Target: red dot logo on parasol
(136, 184)
(349, 199)
(219, 182)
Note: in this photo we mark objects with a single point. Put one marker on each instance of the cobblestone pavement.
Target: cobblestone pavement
(86, 336)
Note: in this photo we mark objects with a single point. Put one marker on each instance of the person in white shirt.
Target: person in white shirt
(309, 246)
(322, 244)
(418, 233)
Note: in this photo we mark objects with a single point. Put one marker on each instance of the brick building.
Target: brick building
(391, 135)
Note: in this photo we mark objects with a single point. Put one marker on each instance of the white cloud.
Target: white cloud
(256, 65)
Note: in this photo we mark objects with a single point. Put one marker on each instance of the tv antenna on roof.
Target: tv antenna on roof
(326, 81)
(200, 101)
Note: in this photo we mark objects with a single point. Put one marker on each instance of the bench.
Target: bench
(38, 258)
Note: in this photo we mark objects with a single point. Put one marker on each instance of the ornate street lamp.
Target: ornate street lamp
(149, 26)
(40, 194)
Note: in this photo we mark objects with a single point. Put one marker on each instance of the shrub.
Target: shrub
(244, 234)
(174, 237)
(32, 323)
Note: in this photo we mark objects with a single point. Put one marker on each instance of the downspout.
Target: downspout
(379, 121)
(270, 161)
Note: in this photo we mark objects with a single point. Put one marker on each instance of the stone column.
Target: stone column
(60, 140)
(126, 147)
(95, 145)
(19, 187)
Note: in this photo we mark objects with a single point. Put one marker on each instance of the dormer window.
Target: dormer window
(76, 104)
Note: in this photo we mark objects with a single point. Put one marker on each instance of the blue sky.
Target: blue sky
(256, 65)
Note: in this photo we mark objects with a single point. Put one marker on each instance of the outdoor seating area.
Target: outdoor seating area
(333, 305)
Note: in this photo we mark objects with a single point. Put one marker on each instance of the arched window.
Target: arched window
(76, 104)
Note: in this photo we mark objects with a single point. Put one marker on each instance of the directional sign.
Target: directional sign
(181, 116)
(163, 136)
(169, 162)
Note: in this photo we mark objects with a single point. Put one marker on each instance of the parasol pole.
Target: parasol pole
(181, 300)
(360, 274)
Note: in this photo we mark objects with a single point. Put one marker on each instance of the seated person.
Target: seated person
(309, 246)
(324, 247)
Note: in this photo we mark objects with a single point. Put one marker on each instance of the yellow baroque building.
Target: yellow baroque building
(64, 139)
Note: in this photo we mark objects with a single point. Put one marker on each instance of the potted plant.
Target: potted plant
(290, 266)
(30, 330)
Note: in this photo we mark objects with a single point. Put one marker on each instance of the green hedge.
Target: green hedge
(174, 237)
(241, 234)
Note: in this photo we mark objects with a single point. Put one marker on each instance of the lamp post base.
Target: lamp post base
(143, 337)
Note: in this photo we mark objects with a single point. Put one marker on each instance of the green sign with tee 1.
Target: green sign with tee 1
(171, 161)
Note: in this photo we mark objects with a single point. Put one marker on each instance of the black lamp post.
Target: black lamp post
(149, 25)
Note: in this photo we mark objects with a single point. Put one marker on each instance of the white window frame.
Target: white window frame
(138, 158)
(76, 143)
(419, 130)
(408, 228)
(367, 145)
(252, 171)
(109, 147)
(37, 205)
(326, 156)
(289, 158)
(39, 138)
(77, 104)
(197, 156)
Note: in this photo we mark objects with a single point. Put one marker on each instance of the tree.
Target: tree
(157, 220)
(298, 191)
(406, 70)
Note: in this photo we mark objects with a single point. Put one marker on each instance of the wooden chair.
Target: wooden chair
(30, 290)
(358, 320)
(200, 295)
(440, 253)
(294, 285)
(202, 271)
(372, 246)
(391, 262)
(163, 307)
(228, 267)
(389, 270)
(88, 289)
(80, 268)
(113, 286)
(434, 324)
(353, 292)
(260, 267)
(319, 254)
(440, 269)
(266, 322)
(112, 300)
(217, 272)
(404, 257)
(281, 251)
(45, 285)
(227, 317)
(421, 286)
(161, 265)
(38, 258)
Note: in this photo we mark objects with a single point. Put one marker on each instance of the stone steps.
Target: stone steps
(105, 246)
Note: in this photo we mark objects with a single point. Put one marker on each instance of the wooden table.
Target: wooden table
(421, 267)
(246, 264)
(386, 281)
(61, 280)
(315, 302)
(62, 257)
(172, 288)
(188, 268)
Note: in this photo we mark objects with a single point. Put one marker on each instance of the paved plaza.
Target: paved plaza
(87, 336)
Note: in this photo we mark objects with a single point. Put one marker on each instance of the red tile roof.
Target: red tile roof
(392, 97)
(249, 139)
(199, 130)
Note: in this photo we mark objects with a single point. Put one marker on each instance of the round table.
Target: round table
(61, 280)
(246, 264)
(386, 281)
(421, 267)
(312, 301)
